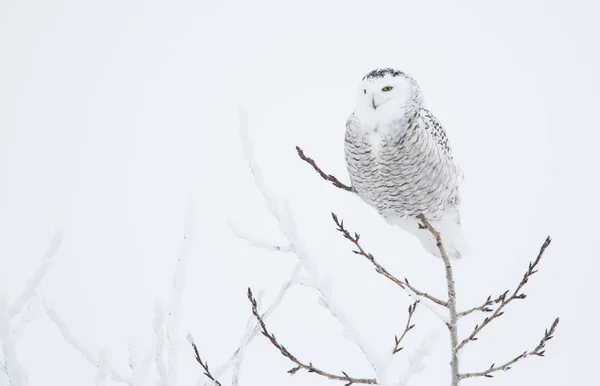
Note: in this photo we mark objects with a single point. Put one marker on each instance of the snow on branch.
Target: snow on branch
(69, 338)
(299, 365)
(36, 280)
(11, 367)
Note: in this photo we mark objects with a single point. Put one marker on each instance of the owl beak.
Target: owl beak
(373, 102)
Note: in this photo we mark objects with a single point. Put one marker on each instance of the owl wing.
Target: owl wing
(435, 128)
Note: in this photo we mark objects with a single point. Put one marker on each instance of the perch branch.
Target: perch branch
(404, 284)
(503, 300)
(538, 351)
(453, 324)
(204, 365)
(299, 365)
(409, 326)
(329, 177)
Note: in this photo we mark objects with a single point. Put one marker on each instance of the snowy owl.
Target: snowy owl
(400, 162)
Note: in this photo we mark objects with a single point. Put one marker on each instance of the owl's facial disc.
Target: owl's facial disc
(379, 92)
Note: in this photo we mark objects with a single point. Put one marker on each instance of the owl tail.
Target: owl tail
(450, 231)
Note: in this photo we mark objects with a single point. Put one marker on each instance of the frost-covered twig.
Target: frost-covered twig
(287, 226)
(409, 326)
(102, 374)
(299, 365)
(159, 321)
(538, 351)
(12, 367)
(172, 328)
(25, 317)
(453, 324)
(255, 241)
(204, 365)
(503, 300)
(69, 338)
(35, 281)
(404, 284)
(329, 177)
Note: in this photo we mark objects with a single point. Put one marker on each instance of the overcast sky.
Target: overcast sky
(115, 115)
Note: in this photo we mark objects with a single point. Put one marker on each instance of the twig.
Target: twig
(251, 334)
(159, 332)
(69, 338)
(380, 269)
(453, 325)
(397, 341)
(178, 285)
(539, 351)
(485, 307)
(329, 177)
(299, 364)
(505, 301)
(40, 274)
(203, 364)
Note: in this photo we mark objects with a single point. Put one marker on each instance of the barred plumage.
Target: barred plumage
(399, 158)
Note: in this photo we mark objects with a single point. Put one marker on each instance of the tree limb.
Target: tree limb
(453, 324)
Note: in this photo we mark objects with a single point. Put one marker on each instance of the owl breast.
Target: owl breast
(401, 172)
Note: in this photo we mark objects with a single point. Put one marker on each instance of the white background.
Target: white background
(114, 113)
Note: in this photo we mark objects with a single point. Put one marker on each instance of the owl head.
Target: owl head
(385, 92)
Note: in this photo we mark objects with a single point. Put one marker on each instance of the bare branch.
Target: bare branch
(409, 326)
(453, 324)
(485, 307)
(299, 365)
(404, 284)
(204, 365)
(503, 300)
(328, 177)
(538, 351)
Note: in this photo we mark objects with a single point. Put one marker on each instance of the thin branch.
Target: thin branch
(453, 325)
(41, 272)
(159, 332)
(503, 300)
(329, 177)
(255, 241)
(485, 307)
(299, 365)
(538, 351)
(251, 334)
(178, 285)
(404, 284)
(409, 326)
(204, 365)
(69, 338)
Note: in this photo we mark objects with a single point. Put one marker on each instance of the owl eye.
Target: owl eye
(365, 90)
(387, 88)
